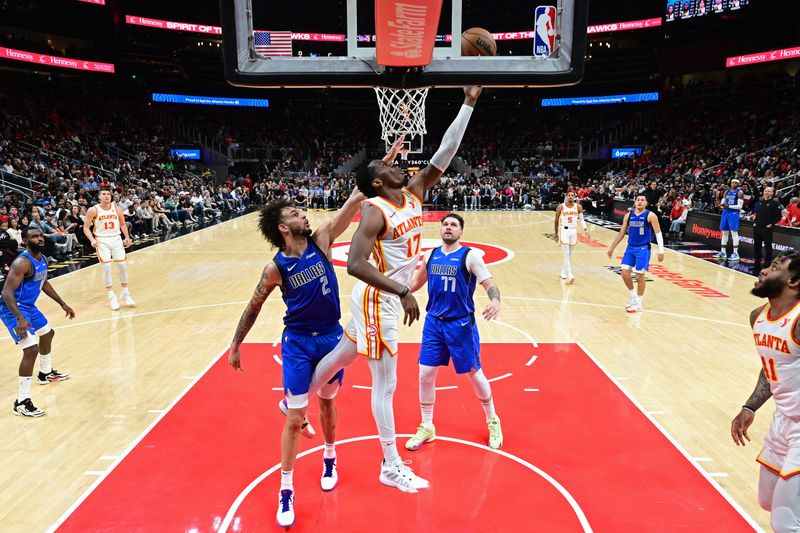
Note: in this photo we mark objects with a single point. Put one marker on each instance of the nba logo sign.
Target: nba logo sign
(544, 37)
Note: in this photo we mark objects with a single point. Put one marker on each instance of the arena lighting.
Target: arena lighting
(339, 37)
(601, 100)
(763, 57)
(209, 100)
(55, 61)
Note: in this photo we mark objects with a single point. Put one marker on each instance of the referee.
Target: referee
(768, 213)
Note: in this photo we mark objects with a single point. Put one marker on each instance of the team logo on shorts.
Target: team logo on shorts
(372, 330)
(491, 253)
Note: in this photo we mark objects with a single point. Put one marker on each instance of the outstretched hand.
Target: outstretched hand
(472, 92)
(397, 148)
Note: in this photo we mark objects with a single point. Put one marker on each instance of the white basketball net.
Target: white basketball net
(402, 111)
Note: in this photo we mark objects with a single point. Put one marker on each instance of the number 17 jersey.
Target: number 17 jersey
(396, 251)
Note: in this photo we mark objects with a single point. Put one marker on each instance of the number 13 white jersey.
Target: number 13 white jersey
(396, 251)
(106, 223)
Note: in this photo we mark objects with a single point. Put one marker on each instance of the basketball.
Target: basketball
(478, 42)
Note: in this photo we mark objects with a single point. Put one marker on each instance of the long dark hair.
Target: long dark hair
(270, 216)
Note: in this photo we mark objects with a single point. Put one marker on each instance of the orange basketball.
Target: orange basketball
(478, 42)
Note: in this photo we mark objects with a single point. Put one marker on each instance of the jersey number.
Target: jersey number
(325, 288)
(569, 220)
(769, 369)
(108, 224)
(414, 244)
(451, 280)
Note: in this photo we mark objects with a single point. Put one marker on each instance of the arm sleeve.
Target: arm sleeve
(452, 139)
(477, 267)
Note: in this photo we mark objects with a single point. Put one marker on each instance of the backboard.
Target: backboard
(332, 43)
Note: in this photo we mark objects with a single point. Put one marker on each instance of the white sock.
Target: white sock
(286, 479)
(46, 360)
(427, 392)
(633, 292)
(24, 388)
(330, 451)
(641, 298)
(110, 293)
(736, 250)
(488, 408)
(124, 291)
(390, 453)
(427, 414)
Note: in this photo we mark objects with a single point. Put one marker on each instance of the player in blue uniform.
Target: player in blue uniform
(452, 272)
(640, 225)
(732, 206)
(303, 271)
(26, 279)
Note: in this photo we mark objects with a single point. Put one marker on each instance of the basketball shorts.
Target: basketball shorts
(36, 320)
(729, 221)
(443, 340)
(637, 258)
(110, 249)
(781, 452)
(301, 352)
(375, 319)
(568, 236)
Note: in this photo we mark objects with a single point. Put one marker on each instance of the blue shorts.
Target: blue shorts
(445, 339)
(637, 257)
(729, 221)
(36, 320)
(301, 352)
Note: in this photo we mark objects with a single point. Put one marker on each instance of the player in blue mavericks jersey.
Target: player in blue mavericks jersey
(732, 206)
(303, 271)
(452, 272)
(640, 225)
(26, 279)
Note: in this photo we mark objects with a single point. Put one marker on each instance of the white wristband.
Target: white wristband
(660, 242)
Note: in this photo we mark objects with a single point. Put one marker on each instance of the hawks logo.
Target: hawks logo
(372, 330)
(492, 254)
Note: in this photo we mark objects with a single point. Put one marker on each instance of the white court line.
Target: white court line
(677, 445)
(524, 333)
(277, 359)
(362, 387)
(531, 390)
(531, 360)
(130, 448)
(446, 387)
(277, 388)
(504, 376)
(229, 516)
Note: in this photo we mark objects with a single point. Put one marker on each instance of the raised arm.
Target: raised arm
(327, 233)
(270, 278)
(428, 176)
(620, 234)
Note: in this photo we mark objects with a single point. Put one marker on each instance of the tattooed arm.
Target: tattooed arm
(761, 394)
(270, 279)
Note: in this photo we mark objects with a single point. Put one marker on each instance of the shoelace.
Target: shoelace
(286, 498)
(329, 464)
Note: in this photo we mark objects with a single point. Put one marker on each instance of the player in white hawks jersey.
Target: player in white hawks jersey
(776, 331)
(383, 255)
(566, 230)
(103, 225)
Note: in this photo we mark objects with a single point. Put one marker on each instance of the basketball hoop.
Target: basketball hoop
(402, 112)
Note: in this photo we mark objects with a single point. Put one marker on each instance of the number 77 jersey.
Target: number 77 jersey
(396, 251)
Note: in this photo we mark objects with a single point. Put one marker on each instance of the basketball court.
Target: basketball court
(612, 422)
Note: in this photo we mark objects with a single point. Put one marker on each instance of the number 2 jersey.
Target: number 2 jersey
(310, 290)
(780, 357)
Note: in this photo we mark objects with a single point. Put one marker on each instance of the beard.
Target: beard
(768, 289)
(302, 232)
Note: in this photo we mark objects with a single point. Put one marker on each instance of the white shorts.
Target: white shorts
(781, 452)
(375, 319)
(110, 249)
(568, 236)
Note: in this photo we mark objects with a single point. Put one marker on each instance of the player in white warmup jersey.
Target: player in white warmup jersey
(776, 331)
(383, 255)
(566, 230)
(109, 221)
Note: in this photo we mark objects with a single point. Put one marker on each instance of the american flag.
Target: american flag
(273, 43)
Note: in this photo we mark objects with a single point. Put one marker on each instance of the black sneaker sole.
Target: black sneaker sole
(27, 416)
